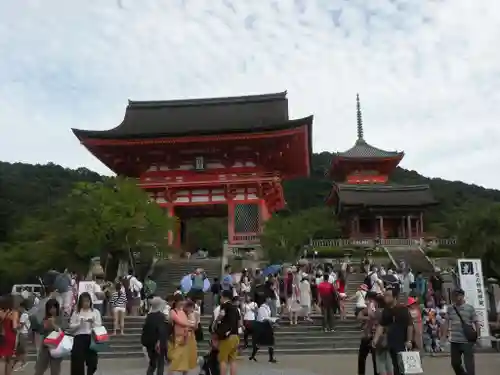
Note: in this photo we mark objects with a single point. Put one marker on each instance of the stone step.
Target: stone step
(134, 354)
(286, 331)
(137, 322)
(134, 338)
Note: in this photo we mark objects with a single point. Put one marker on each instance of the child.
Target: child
(24, 329)
(416, 315)
(432, 329)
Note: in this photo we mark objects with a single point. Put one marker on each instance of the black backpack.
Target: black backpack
(368, 280)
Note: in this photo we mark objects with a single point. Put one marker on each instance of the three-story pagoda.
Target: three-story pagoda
(368, 205)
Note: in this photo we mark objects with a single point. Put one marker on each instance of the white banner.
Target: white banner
(471, 281)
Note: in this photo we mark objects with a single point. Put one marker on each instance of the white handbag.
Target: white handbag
(410, 363)
(63, 349)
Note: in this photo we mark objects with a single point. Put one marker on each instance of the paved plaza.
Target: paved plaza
(486, 364)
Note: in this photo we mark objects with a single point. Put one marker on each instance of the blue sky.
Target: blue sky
(428, 71)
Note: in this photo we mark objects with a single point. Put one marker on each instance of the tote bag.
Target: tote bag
(410, 363)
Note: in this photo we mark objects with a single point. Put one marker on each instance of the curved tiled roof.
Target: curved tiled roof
(362, 149)
(171, 118)
(383, 195)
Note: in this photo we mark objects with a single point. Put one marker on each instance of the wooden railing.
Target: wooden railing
(340, 242)
(246, 238)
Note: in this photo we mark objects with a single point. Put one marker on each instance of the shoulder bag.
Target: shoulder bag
(469, 332)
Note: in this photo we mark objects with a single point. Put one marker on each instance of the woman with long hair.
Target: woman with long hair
(83, 320)
(178, 349)
(9, 322)
(118, 303)
(51, 322)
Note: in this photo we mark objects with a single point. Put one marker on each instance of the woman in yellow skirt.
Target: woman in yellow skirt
(178, 346)
(194, 318)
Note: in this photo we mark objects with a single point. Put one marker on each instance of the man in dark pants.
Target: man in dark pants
(459, 345)
(326, 293)
(154, 338)
(397, 322)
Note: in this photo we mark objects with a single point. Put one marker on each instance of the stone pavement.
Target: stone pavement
(486, 364)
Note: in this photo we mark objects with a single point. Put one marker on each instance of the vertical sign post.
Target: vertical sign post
(471, 281)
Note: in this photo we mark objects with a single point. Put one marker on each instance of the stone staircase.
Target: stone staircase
(412, 256)
(168, 274)
(305, 338)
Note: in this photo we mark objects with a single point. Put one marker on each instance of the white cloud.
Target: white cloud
(428, 71)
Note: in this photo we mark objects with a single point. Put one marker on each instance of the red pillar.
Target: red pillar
(171, 235)
(177, 233)
(230, 221)
(264, 212)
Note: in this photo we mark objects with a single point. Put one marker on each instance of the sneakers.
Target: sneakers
(21, 368)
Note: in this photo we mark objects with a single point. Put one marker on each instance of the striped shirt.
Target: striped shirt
(468, 314)
(118, 300)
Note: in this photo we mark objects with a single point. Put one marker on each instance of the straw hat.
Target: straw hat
(157, 304)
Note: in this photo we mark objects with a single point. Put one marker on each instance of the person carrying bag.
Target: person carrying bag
(470, 332)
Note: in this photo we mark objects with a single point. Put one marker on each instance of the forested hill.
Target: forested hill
(27, 189)
(450, 194)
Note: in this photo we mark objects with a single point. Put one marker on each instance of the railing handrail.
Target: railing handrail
(420, 242)
(429, 260)
(393, 261)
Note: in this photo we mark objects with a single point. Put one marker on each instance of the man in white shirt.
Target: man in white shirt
(377, 285)
(135, 287)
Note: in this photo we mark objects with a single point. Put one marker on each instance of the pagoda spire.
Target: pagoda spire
(360, 120)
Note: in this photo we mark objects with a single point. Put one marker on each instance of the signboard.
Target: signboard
(86, 286)
(199, 163)
(471, 281)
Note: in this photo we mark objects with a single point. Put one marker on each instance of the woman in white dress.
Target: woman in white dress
(305, 296)
(293, 293)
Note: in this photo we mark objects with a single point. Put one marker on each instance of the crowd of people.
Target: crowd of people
(72, 305)
(397, 312)
(404, 313)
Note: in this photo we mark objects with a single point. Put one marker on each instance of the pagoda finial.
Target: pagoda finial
(360, 119)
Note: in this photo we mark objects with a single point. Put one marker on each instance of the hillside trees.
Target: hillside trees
(478, 235)
(111, 219)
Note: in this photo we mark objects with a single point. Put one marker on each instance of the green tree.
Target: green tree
(207, 233)
(112, 219)
(285, 235)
